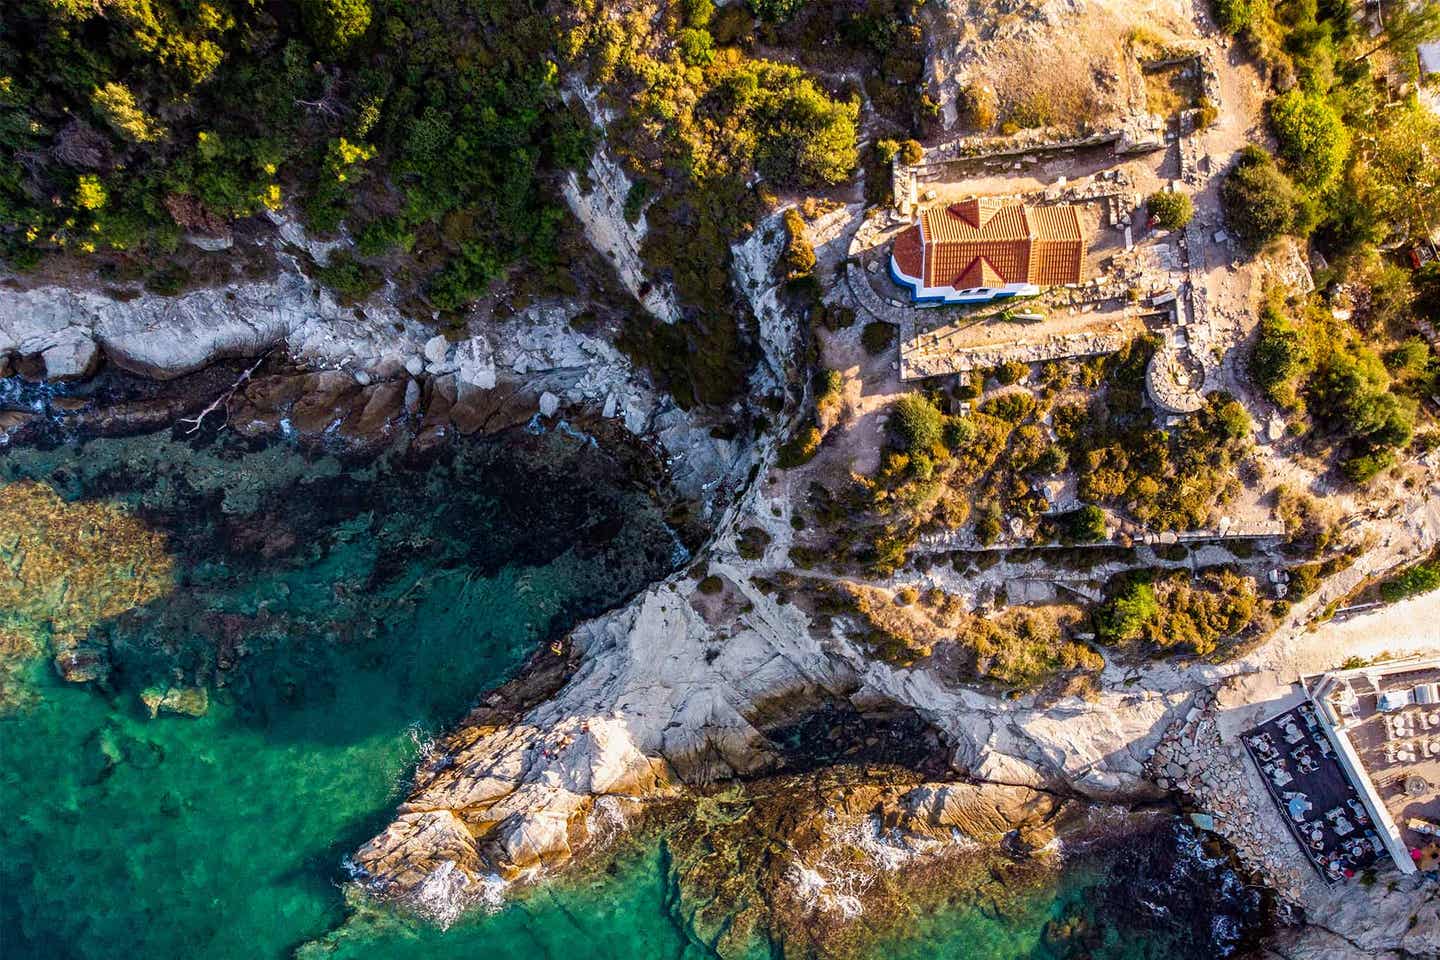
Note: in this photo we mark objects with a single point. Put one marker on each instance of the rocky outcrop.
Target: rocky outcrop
(366, 370)
(661, 702)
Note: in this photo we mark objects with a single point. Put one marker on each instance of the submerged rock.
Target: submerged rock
(180, 701)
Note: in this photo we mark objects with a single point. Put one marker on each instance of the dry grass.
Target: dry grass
(1021, 647)
(1169, 91)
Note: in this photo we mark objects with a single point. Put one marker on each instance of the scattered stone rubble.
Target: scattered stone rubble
(1216, 778)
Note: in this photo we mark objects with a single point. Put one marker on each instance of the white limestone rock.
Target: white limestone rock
(436, 349)
(74, 357)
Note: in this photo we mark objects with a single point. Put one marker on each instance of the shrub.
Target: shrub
(752, 542)
(799, 449)
(958, 432)
(1363, 468)
(834, 316)
(1312, 138)
(465, 277)
(1206, 113)
(1421, 578)
(917, 423)
(1170, 209)
(1011, 371)
(381, 236)
(697, 47)
(776, 11)
(1409, 359)
(877, 336)
(711, 585)
(349, 279)
(827, 387)
(89, 192)
(886, 150)
(987, 524)
(116, 105)
(1260, 202)
(1237, 15)
(698, 13)
(1124, 617)
(1010, 407)
(732, 24)
(799, 256)
(976, 105)
(911, 152)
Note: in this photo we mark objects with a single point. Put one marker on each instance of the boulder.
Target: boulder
(74, 358)
(435, 349)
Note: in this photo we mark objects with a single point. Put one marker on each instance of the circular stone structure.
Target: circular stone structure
(1174, 380)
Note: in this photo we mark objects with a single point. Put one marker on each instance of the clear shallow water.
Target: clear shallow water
(349, 612)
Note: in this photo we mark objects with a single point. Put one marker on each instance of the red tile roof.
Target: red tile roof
(909, 252)
(983, 242)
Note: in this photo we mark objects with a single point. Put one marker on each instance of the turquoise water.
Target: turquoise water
(341, 614)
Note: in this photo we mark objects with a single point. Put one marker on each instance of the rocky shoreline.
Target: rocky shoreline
(663, 700)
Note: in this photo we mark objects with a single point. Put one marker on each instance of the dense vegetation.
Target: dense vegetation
(701, 120)
(436, 134)
(1357, 156)
(1018, 648)
(1415, 579)
(431, 129)
(1175, 611)
(1335, 386)
(989, 467)
(1357, 171)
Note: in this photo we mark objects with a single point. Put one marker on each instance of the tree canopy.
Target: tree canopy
(1312, 139)
(1260, 202)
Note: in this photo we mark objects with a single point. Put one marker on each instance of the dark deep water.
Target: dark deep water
(340, 614)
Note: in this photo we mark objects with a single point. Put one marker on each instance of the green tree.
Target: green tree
(1312, 138)
(799, 256)
(1125, 616)
(1172, 210)
(1233, 421)
(877, 336)
(1279, 354)
(1399, 178)
(1421, 578)
(1086, 525)
(697, 47)
(1260, 202)
(803, 136)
